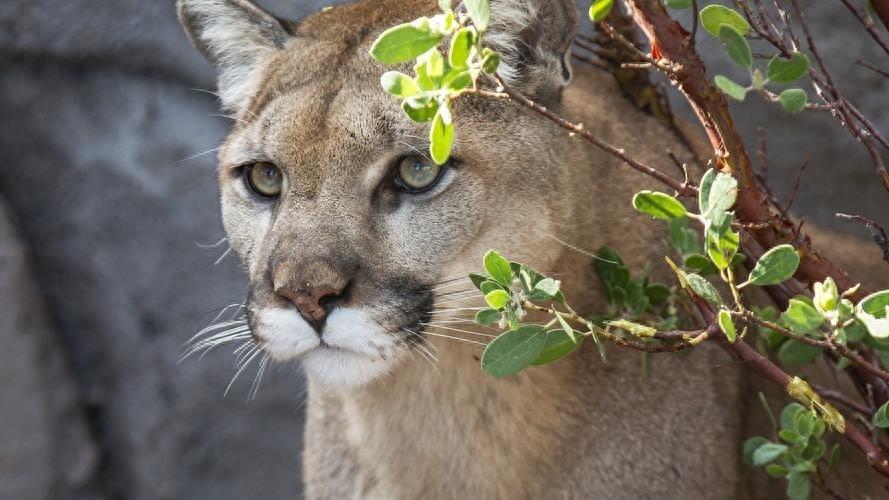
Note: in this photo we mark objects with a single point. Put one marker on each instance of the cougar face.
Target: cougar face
(344, 224)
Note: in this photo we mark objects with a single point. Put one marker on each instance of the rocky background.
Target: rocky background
(108, 205)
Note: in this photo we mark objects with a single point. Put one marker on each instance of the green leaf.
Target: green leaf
(789, 414)
(704, 190)
(420, 109)
(490, 61)
(827, 295)
(767, 452)
(607, 263)
(881, 417)
(399, 84)
(776, 470)
(658, 205)
(657, 293)
(513, 351)
(489, 286)
(799, 485)
(498, 268)
(441, 135)
(457, 80)
(684, 238)
(730, 88)
(600, 9)
(700, 264)
(775, 266)
(875, 304)
(721, 243)
(497, 299)
(714, 16)
(750, 446)
(724, 318)
(801, 317)
(404, 42)
(678, 4)
(703, 288)
(479, 12)
(873, 312)
(487, 317)
(795, 353)
(477, 279)
(461, 44)
(545, 289)
(721, 195)
(566, 327)
(558, 345)
(736, 45)
(793, 100)
(781, 70)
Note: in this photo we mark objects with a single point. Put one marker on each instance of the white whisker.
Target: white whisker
(458, 330)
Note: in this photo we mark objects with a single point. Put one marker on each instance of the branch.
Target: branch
(868, 24)
(876, 232)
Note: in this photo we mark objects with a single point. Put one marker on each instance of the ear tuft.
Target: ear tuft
(236, 36)
(534, 40)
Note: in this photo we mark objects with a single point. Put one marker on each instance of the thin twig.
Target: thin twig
(876, 232)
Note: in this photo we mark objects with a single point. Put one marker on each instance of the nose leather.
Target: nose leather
(310, 301)
(314, 287)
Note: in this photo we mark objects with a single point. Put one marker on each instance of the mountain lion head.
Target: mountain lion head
(352, 237)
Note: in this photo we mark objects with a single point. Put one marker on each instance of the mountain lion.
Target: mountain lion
(354, 242)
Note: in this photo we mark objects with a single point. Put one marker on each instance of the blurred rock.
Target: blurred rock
(108, 166)
(47, 452)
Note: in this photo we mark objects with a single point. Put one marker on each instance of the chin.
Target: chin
(352, 351)
(341, 369)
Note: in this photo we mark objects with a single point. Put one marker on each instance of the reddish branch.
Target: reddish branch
(671, 43)
(881, 7)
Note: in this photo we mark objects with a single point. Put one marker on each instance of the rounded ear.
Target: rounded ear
(236, 36)
(534, 40)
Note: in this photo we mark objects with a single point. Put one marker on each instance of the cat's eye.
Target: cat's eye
(264, 179)
(417, 174)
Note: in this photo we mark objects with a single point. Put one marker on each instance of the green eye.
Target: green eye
(416, 174)
(264, 179)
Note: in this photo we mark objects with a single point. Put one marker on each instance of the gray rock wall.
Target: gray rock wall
(103, 277)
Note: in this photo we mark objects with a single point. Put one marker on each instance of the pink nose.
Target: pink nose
(313, 302)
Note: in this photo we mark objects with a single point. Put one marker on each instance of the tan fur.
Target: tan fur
(580, 428)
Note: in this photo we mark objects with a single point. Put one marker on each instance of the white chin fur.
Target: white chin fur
(356, 351)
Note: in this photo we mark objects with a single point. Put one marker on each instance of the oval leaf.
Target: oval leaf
(736, 45)
(399, 84)
(730, 88)
(767, 452)
(600, 9)
(461, 44)
(726, 325)
(775, 266)
(881, 417)
(498, 267)
(497, 299)
(404, 42)
(558, 345)
(479, 12)
(704, 289)
(441, 136)
(487, 317)
(801, 317)
(781, 70)
(658, 205)
(793, 100)
(514, 351)
(794, 353)
(721, 196)
(714, 16)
